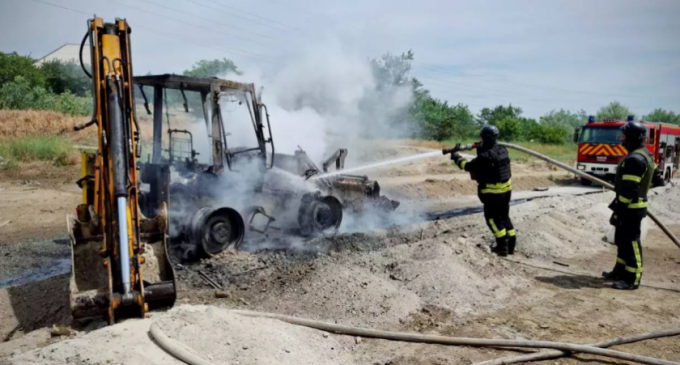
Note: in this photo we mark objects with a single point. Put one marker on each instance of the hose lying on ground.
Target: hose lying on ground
(443, 340)
(591, 178)
(547, 355)
(179, 351)
(175, 348)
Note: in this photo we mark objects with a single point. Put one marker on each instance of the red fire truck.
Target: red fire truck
(600, 150)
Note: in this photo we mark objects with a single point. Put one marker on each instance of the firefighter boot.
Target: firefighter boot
(512, 242)
(616, 274)
(611, 275)
(622, 285)
(501, 248)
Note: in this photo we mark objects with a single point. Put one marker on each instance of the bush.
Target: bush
(30, 149)
(510, 129)
(440, 121)
(19, 94)
(548, 134)
(61, 77)
(13, 65)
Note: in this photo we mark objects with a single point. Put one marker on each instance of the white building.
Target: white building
(66, 53)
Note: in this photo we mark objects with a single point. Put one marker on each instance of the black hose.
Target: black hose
(80, 54)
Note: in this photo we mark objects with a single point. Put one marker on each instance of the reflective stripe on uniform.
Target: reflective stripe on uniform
(499, 185)
(462, 164)
(511, 232)
(638, 261)
(639, 204)
(632, 178)
(620, 261)
(499, 188)
(633, 270)
(497, 233)
(496, 191)
(493, 225)
(624, 200)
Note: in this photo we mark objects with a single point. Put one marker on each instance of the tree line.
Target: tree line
(439, 120)
(64, 87)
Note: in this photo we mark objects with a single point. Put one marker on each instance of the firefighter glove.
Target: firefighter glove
(456, 157)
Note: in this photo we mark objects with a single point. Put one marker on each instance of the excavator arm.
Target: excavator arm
(120, 261)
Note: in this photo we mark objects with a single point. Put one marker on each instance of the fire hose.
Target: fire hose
(570, 169)
(181, 352)
(593, 179)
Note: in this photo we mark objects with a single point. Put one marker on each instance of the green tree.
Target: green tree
(529, 127)
(663, 116)
(440, 121)
(614, 110)
(510, 129)
(497, 114)
(562, 122)
(13, 65)
(393, 71)
(62, 76)
(19, 94)
(213, 68)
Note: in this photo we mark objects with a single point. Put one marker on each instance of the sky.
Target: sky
(540, 55)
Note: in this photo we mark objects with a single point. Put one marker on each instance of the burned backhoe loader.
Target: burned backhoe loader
(234, 179)
(203, 223)
(239, 189)
(120, 260)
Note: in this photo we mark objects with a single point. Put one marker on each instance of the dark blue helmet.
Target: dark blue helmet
(635, 133)
(489, 134)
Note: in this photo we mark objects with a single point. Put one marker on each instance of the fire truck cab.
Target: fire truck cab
(600, 149)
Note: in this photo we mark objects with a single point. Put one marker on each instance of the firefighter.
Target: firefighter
(491, 170)
(633, 179)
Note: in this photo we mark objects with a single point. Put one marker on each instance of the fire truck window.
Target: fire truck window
(652, 135)
(600, 135)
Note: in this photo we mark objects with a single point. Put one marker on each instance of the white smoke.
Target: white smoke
(327, 97)
(324, 98)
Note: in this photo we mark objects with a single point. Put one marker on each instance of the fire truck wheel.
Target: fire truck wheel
(586, 182)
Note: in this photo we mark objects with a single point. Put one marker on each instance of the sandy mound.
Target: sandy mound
(215, 334)
(665, 203)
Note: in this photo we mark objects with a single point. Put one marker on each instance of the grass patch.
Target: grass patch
(31, 149)
(563, 153)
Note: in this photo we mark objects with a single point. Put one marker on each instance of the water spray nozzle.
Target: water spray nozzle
(460, 147)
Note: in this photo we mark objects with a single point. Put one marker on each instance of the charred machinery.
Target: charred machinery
(239, 187)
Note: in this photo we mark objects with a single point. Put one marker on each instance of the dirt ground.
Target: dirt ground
(424, 275)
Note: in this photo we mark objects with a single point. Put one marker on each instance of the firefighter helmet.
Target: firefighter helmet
(635, 133)
(489, 134)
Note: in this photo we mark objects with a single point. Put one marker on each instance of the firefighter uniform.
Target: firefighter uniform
(491, 170)
(633, 180)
